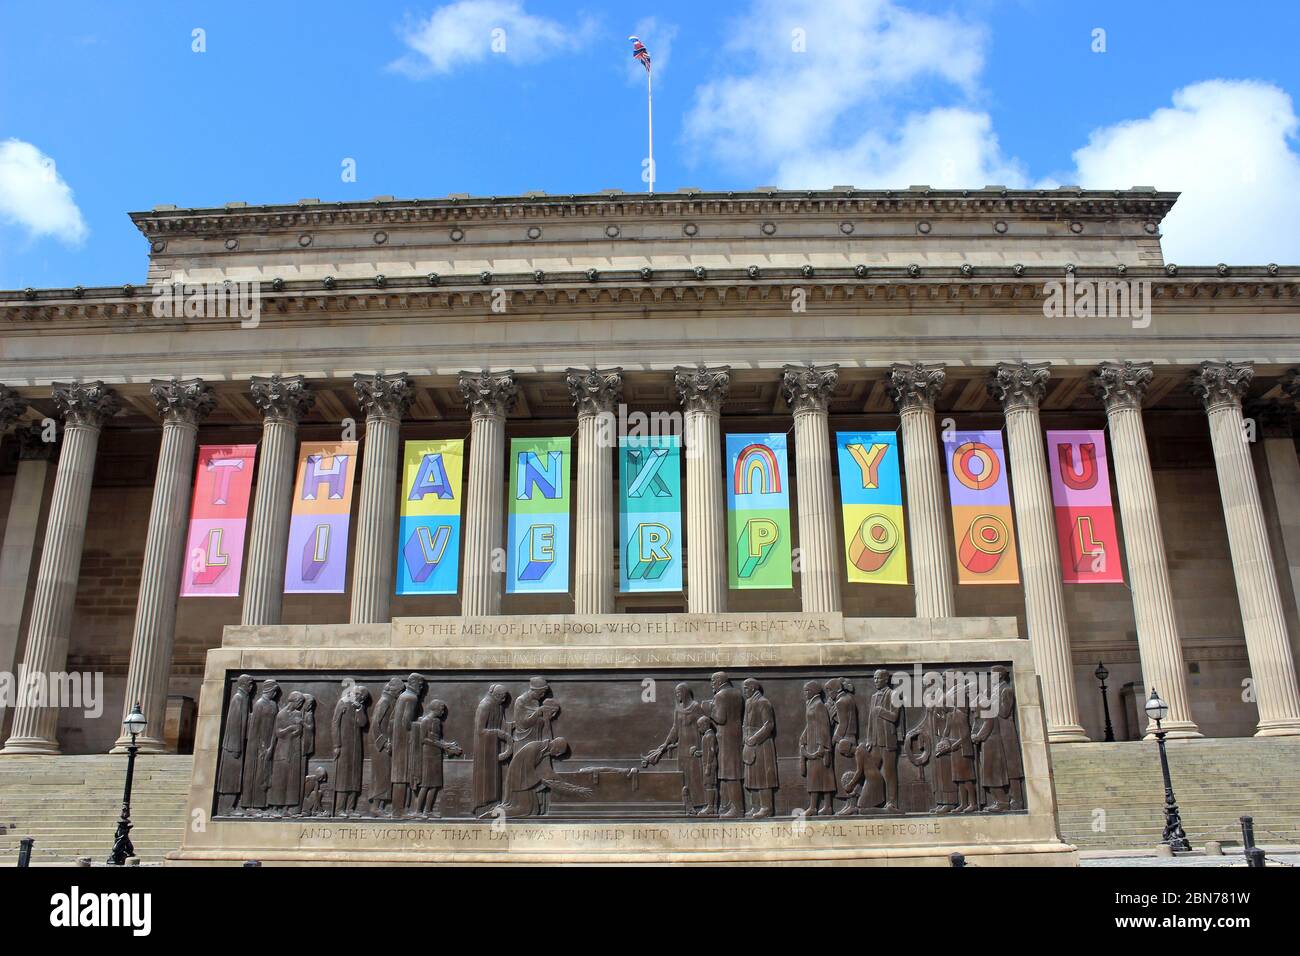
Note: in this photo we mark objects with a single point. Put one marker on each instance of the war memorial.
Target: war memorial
(769, 526)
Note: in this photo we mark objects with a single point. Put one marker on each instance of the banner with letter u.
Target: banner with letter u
(650, 506)
(428, 539)
(214, 549)
(1085, 516)
(871, 499)
(318, 527)
(537, 540)
(983, 527)
(758, 512)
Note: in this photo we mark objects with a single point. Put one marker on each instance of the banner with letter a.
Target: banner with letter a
(318, 528)
(428, 538)
(982, 524)
(214, 549)
(650, 506)
(537, 541)
(758, 512)
(871, 498)
(1085, 516)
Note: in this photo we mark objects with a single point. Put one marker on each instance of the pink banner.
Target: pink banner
(214, 551)
(1085, 517)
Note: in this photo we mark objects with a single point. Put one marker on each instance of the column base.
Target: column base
(1284, 727)
(1068, 734)
(144, 745)
(15, 746)
(1175, 730)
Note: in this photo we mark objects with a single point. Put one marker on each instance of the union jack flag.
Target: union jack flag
(639, 52)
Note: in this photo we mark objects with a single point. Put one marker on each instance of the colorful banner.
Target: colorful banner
(871, 498)
(758, 512)
(982, 525)
(1085, 516)
(318, 528)
(537, 546)
(650, 506)
(214, 550)
(428, 538)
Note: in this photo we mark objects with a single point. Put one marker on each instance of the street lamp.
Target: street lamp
(1101, 674)
(122, 846)
(1174, 836)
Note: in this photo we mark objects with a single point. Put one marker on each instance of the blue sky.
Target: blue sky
(104, 111)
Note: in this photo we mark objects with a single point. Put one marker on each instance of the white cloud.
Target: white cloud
(469, 31)
(34, 196)
(810, 69)
(1229, 147)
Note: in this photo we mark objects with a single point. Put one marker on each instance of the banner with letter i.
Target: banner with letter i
(758, 512)
(428, 538)
(537, 541)
(650, 508)
(1085, 516)
(214, 549)
(983, 527)
(871, 499)
(318, 526)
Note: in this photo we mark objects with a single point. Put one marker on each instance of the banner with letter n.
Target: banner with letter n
(1085, 516)
(758, 512)
(537, 540)
(214, 549)
(428, 538)
(983, 527)
(318, 527)
(871, 499)
(650, 508)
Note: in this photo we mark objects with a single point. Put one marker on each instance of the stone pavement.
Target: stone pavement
(1277, 856)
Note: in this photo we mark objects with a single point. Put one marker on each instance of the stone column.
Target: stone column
(84, 407)
(1120, 387)
(1277, 456)
(807, 390)
(1020, 387)
(183, 404)
(702, 391)
(283, 401)
(596, 394)
(488, 396)
(1220, 387)
(384, 399)
(914, 388)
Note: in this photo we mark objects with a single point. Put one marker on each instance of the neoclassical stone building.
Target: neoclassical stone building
(764, 311)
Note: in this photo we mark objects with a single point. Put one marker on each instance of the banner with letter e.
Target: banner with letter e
(537, 539)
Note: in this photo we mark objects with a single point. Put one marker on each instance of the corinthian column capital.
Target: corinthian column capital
(89, 404)
(702, 389)
(34, 443)
(914, 385)
(490, 394)
(11, 407)
(809, 387)
(384, 396)
(281, 398)
(184, 401)
(595, 390)
(1121, 384)
(1019, 384)
(1221, 383)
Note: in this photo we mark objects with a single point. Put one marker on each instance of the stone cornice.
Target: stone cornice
(384, 396)
(595, 390)
(809, 387)
(1019, 384)
(1199, 288)
(1066, 202)
(1221, 383)
(182, 401)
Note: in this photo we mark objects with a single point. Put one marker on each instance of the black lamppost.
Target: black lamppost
(122, 847)
(1101, 674)
(1174, 836)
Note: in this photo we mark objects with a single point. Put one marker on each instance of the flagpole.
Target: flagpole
(650, 123)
